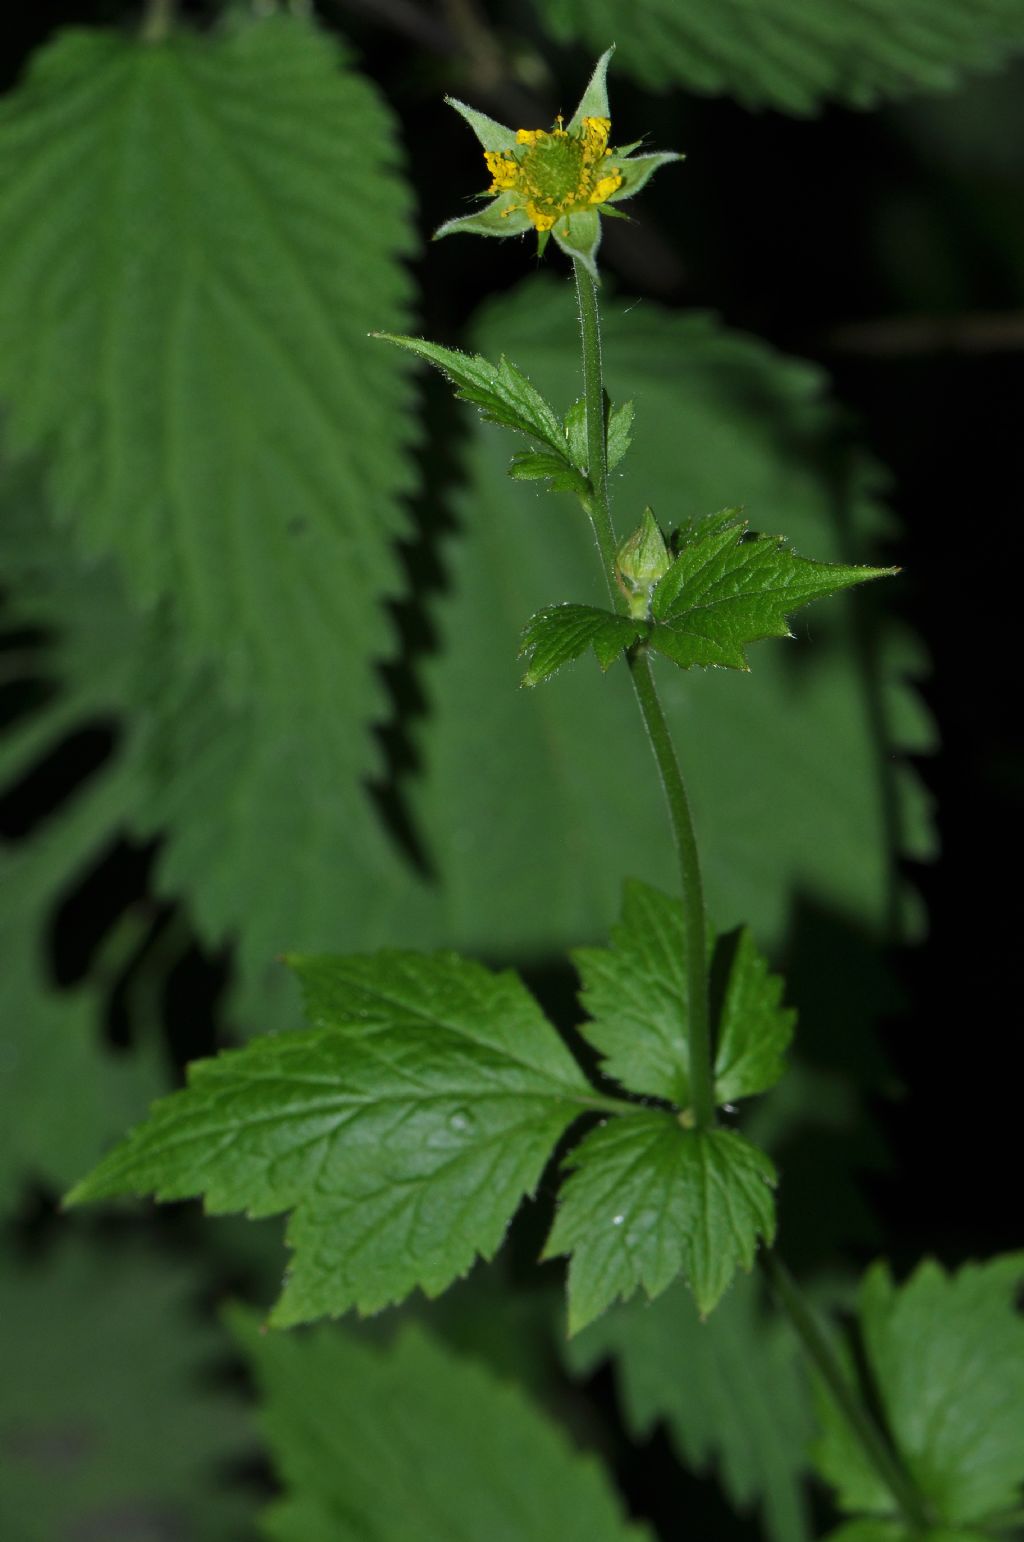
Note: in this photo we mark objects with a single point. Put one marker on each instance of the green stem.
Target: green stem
(702, 1085)
(818, 1349)
(702, 1092)
(598, 506)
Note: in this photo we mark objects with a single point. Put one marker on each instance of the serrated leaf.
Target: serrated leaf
(403, 1129)
(946, 1357)
(637, 996)
(411, 1440)
(564, 764)
(110, 1425)
(727, 589)
(255, 830)
(789, 55)
(730, 1392)
(195, 238)
(539, 465)
(561, 633)
(648, 1200)
(501, 391)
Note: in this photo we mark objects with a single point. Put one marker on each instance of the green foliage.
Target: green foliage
(502, 392)
(409, 1440)
(109, 1425)
(195, 238)
(556, 762)
(729, 1391)
(946, 1355)
(402, 1130)
(561, 633)
(722, 592)
(648, 1200)
(637, 996)
(794, 56)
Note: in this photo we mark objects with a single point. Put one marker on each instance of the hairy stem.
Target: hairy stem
(821, 1354)
(598, 506)
(702, 1094)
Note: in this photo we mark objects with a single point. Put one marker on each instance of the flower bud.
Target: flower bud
(641, 561)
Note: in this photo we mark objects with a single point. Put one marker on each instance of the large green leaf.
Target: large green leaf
(538, 803)
(792, 55)
(195, 236)
(945, 1355)
(110, 1424)
(409, 1441)
(729, 1391)
(402, 1129)
(649, 1200)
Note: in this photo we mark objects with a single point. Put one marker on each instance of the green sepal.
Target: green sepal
(579, 236)
(491, 134)
(594, 101)
(558, 634)
(637, 173)
(490, 221)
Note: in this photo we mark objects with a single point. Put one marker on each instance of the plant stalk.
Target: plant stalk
(821, 1354)
(702, 1092)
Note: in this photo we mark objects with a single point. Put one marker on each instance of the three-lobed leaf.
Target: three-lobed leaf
(724, 590)
(402, 1129)
(648, 1200)
(727, 589)
(411, 1440)
(945, 1353)
(636, 994)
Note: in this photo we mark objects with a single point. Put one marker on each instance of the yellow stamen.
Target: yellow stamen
(555, 171)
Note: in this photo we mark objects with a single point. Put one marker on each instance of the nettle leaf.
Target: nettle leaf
(501, 391)
(412, 1440)
(561, 633)
(195, 236)
(110, 1424)
(789, 55)
(403, 1129)
(255, 832)
(649, 1200)
(637, 996)
(946, 1358)
(730, 1392)
(563, 763)
(726, 589)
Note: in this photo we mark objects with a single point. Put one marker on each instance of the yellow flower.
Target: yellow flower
(555, 173)
(556, 181)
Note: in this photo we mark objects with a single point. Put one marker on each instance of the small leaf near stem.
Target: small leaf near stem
(701, 1080)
